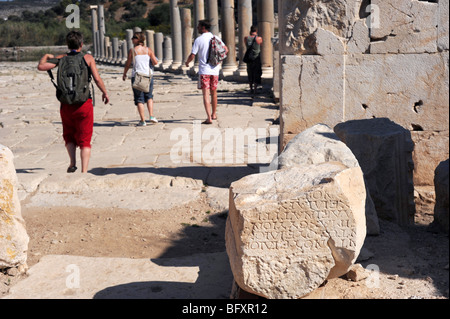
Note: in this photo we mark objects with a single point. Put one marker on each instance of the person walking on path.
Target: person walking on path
(143, 59)
(254, 68)
(208, 74)
(77, 119)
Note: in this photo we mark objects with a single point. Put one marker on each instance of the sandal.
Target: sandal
(71, 169)
(207, 122)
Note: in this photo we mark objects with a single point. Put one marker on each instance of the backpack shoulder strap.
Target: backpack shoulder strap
(81, 56)
(52, 78)
(50, 73)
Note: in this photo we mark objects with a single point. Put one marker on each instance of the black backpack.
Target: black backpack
(73, 79)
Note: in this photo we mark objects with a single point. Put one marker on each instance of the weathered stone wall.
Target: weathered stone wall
(357, 59)
(13, 236)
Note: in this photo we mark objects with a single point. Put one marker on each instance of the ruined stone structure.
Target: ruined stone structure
(13, 236)
(354, 59)
(336, 61)
(223, 24)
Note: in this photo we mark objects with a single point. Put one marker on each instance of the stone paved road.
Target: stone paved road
(175, 158)
(177, 146)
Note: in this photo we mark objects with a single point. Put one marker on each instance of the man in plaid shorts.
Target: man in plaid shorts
(208, 75)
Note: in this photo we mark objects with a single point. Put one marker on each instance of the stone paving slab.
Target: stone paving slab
(202, 276)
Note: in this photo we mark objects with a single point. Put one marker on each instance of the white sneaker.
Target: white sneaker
(142, 123)
(153, 119)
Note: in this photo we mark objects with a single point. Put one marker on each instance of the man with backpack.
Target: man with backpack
(75, 70)
(211, 51)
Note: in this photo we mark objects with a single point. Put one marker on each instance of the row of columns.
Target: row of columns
(173, 50)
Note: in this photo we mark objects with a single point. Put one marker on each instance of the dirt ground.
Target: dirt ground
(413, 262)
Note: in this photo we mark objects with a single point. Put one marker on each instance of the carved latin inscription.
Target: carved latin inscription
(304, 225)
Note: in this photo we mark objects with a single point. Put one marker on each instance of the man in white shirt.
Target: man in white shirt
(208, 74)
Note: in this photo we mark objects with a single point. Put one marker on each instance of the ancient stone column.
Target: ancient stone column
(115, 50)
(108, 51)
(97, 39)
(276, 70)
(167, 49)
(265, 25)
(159, 52)
(228, 36)
(128, 39)
(244, 22)
(101, 31)
(199, 14)
(119, 53)
(177, 46)
(212, 13)
(124, 49)
(150, 36)
(94, 25)
(187, 35)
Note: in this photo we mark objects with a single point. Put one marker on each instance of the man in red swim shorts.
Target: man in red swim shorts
(77, 120)
(78, 124)
(208, 74)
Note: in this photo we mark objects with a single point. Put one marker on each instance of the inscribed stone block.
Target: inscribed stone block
(290, 230)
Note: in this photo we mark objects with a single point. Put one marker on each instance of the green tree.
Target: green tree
(160, 15)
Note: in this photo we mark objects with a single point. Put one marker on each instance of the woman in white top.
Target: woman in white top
(142, 58)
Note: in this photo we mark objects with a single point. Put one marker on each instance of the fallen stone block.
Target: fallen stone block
(357, 273)
(289, 230)
(13, 235)
(384, 152)
(320, 144)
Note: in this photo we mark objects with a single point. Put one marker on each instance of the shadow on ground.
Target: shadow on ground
(214, 279)
(218, 176)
